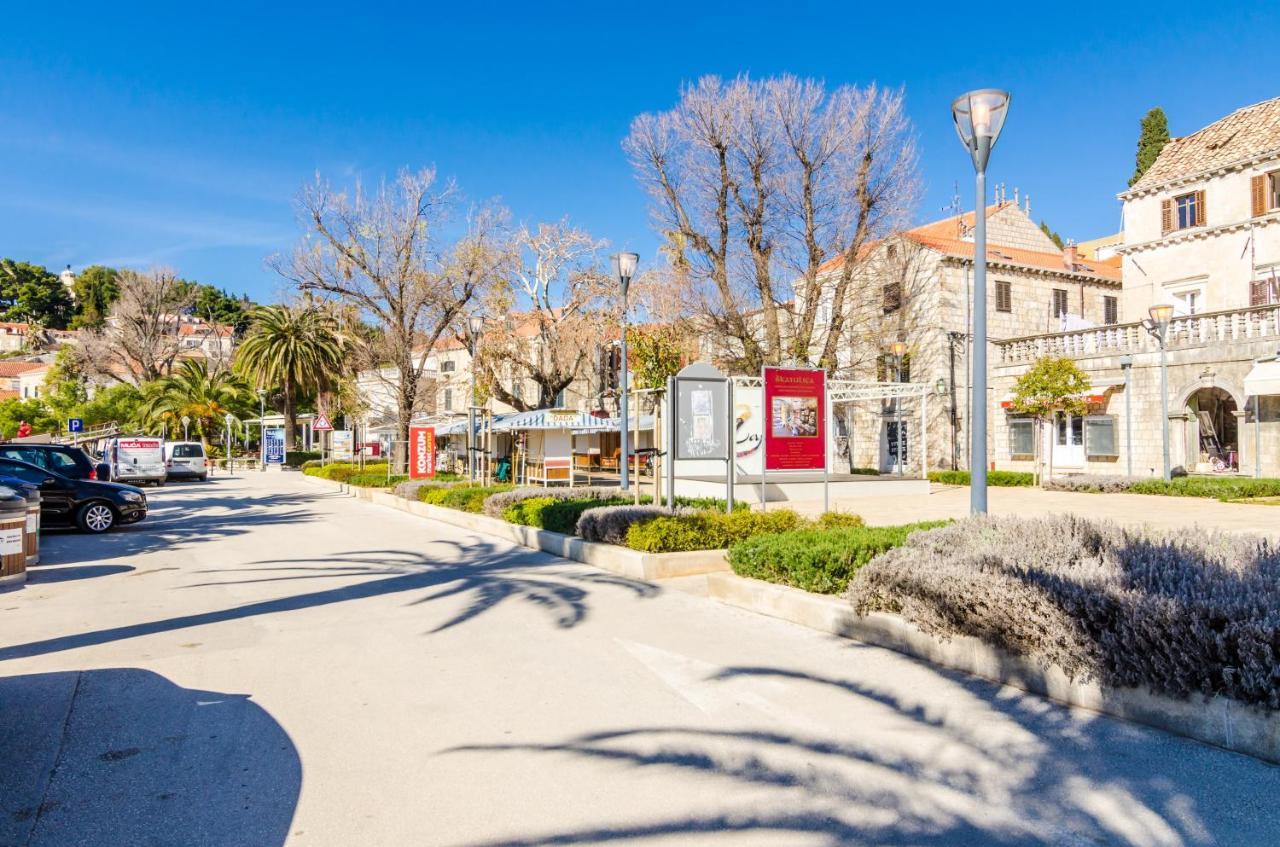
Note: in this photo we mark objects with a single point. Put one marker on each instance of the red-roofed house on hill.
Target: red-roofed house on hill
(916, 287)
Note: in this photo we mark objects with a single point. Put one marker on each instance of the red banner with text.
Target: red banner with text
(422, 452)
(795, 415)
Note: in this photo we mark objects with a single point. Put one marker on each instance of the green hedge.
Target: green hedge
(998, 479)
(707, 530)
(344, 471)
(554, 514)
(1222, 488)
(818, 560)
(376, 480)
(297, 458)
(464, 498)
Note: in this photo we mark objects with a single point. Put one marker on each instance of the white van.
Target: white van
(185, 460)
(138, 458)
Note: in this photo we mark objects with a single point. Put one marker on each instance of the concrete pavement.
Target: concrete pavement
(263, 663)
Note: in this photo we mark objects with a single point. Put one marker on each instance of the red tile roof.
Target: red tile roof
(1231, 141)
(12, 368)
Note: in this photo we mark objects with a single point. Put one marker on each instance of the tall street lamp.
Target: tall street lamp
(979, 117)
(262, 429)
(624, 267)
(1158, 326)
(475, 326)
(898, 350)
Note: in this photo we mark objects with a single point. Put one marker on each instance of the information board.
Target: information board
(273, 446)
(343, 446)
(422, 452)
(702, 418)
(795, 419)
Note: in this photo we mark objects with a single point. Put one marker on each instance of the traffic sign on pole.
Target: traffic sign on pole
(321, 423)
(75, 425)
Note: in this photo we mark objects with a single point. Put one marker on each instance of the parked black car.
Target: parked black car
(92, 506)
(59, 458)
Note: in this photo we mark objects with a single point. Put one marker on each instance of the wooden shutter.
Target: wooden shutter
(1166, 216)
(1258, 290)
(1200, 208)
(1258, 193)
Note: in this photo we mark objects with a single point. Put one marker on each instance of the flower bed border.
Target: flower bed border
(1220, 721)
(609, 557)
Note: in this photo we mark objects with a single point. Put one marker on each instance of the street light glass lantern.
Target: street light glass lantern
(1161, 314)
(475, 324)
(979, 117)
(624, 267)
(898, 348)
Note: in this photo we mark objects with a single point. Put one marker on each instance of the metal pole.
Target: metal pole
(897, 412)
(826, 448)
(968, 360)
(1164, 408)
(1257, 436)
(978, 431)
(471, 417)
(1126, 362)
(625, 481)
(733, 449)
(262, 432)
(671, 442)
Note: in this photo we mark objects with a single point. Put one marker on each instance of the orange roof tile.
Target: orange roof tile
(11, 368)
(1230, 141)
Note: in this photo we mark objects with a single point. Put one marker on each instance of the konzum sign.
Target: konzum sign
(422, 452)
(795, 411)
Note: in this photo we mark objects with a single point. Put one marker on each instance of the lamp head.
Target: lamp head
(624, 267)
(898, 349)
(475, 325)
(1161, 314)
(979, 116)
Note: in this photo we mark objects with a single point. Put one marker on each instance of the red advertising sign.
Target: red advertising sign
(422, 451)
(795, 419)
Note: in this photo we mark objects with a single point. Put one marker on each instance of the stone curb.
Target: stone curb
(609, 557)
(1220, 721)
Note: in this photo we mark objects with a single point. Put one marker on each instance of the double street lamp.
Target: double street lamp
(1158, 327)
(624, 267)
(979, 117)
(475, 327)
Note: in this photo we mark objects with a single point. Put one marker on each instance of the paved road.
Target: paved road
(263, 663)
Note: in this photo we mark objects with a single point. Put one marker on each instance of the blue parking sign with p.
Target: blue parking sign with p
(75, 425)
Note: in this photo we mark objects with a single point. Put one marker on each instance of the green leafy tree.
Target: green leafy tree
(96, 289)
(14, 412)
(31, 294)
(194, 392)
(119, 404)
(1052, 386)
(1053, 236)
(217, 306)
(1152, 139)
(294, 352)
(656, 353)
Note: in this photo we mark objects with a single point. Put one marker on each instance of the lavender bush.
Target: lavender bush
(609, 524)
(497, 504)
(410, 488)
(1101, 484)
(1179, 614)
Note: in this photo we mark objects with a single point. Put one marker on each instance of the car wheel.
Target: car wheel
(95, 517)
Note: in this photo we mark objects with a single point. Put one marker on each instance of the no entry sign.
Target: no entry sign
(422, 452)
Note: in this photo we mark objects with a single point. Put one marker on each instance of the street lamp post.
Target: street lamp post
(1158, 327)
(624, 267)
(475, 326)
(979, 117)
(898, 350)
(262, 429)
(186, 432)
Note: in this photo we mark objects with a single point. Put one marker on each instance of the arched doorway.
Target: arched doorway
(1213, 439)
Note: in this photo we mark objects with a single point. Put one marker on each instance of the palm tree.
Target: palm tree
(294, 350)
(192, 391)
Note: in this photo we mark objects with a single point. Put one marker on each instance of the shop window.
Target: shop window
(1100, 437)
(1022, 438)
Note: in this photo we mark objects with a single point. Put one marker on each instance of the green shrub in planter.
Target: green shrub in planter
(818, 560)
(297, 458)
(838, 520)
(309, 464)
(707, 530)
(464, 498)
(376, 480)
(997, 479)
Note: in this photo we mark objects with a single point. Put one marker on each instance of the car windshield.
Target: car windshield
(188, 451)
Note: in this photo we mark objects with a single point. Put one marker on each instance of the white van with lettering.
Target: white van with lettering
(138, 458)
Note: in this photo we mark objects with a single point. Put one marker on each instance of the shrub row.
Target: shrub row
(298, 458)
(1102, 484)
(464, 498)
(706, 530)
(1224, 488)
(819, 560)
(344, 471)
(1000, 479)
(376, 480)
(554, 514)
(1180, 614)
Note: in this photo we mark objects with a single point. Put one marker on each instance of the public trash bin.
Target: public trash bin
(31, 536)
(13, 528)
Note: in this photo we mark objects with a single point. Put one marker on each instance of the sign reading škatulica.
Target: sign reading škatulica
(795, 419)
(343, 446)
(422, 452)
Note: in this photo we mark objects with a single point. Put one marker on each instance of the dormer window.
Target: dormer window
(1182, 212)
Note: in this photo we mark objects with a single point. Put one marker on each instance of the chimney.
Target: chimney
(1028, 205)
(1069, 256)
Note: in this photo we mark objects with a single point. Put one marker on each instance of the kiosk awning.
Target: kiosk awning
(1264, 379)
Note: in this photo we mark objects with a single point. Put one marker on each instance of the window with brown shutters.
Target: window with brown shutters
(1166, 216)
(1110, 310)
(1258, 194)
(1004, 295)
(1200, 208)
(1264, 292)
(1186, 211)
(1059, 302)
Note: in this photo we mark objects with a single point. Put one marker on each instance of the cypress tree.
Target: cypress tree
(1154, 136)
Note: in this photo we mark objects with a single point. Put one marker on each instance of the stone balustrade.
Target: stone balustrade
(1195, 330)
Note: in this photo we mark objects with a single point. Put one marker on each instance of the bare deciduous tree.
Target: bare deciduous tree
(140, 341)
(554, 300)
(770, 192)
(386, 253)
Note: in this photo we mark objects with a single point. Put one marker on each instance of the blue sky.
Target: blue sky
(164, 134)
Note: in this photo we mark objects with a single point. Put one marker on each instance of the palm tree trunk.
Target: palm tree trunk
(290, 416)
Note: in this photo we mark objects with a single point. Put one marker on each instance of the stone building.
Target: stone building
(917, 287)
(1201, 233)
